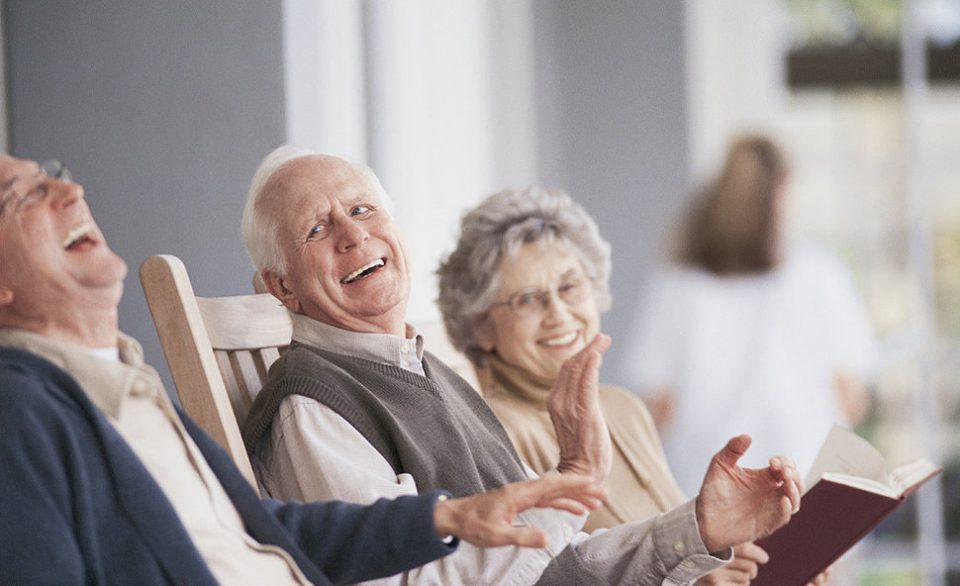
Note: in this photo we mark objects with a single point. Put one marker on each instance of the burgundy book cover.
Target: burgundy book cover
(832, 518)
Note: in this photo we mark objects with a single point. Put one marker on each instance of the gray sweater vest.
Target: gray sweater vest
(436, 428)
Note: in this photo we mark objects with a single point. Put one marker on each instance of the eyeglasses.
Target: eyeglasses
(52, 169)
(528, 303)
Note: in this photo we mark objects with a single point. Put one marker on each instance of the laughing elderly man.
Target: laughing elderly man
(357, 410)
(104, 481)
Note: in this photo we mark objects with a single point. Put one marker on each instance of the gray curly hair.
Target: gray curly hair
(497, 228)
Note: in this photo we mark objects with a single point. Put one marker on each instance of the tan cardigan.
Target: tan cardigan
(640, 484)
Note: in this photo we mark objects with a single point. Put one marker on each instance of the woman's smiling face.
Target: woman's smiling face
(545, 310)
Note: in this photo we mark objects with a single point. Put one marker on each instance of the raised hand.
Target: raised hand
(737, 504)
(747, 559)
(486, 519)
(574, 407)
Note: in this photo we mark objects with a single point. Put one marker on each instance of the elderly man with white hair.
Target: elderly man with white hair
(357, 410)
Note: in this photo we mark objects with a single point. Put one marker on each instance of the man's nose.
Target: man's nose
(63, 194)
(352, 234)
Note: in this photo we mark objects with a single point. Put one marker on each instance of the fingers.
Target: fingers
(752, 552)
(726, 576)
(783, 470)
(574, 493)
(570, 492)
(578, 367)
(522, 536)
(734, 449)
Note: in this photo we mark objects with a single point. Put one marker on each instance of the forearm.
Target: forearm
(351, 543)
(651, 551)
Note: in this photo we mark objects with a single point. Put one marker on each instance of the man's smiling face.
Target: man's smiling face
(345, 265)
(55, 265)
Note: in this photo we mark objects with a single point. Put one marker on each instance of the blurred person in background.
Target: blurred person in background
(745, 331)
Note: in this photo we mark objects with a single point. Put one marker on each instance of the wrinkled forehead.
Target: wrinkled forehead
(319, 180)
(12, 168)
(540, 262)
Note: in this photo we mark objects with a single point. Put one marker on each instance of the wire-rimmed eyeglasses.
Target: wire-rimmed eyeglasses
(12, 198)
(532, 301)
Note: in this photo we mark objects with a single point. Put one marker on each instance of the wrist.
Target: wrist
(444, 518)
(704, 527)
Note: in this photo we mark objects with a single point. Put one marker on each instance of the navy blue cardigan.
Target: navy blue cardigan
(78, 507)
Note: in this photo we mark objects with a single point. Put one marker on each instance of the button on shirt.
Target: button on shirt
(132, 397)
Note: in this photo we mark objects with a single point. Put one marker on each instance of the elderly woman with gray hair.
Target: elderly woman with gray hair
(521, 293)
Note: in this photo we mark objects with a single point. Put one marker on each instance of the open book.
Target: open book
(848, 493)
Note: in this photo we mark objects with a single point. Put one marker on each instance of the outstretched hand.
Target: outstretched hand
(743, 504)
(486, 519)
(574, 407)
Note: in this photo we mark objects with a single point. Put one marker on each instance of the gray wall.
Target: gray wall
(162, 110)
(612, 131)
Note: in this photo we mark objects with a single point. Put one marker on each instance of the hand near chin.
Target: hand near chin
(574, 407)
(737, 504)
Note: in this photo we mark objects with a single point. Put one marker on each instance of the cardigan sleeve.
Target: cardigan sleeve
(346, 542)
(352, 543)
(38, 544)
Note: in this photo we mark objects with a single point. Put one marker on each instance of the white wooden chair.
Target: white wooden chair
(218, 349)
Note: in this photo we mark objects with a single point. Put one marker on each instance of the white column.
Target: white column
(324, 76)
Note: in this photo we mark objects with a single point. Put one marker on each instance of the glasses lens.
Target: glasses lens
(574, 291)
(55, 169)
(528, 302)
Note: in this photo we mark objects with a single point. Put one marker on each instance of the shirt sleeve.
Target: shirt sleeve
(666, 549)
(314, 454)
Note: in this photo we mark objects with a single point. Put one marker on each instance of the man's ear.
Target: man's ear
(485, 333)
(277, 287)
(6, 295)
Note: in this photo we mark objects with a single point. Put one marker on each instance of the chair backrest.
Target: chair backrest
(218, 349)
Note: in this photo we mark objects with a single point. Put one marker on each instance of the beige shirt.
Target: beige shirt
(132, 397)
(312, 453)
(640, 484)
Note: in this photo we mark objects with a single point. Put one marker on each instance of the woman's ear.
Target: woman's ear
(486, 334)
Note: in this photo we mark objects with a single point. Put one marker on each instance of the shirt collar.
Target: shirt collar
(383, 348)
(107, 383)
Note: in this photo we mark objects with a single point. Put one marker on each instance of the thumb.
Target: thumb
(734, 450)
(525, 537)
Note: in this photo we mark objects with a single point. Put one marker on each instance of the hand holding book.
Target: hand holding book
(849, 492)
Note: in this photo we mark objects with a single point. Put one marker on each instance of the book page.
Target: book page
(862, 483)
(907, 475)
(844, 452)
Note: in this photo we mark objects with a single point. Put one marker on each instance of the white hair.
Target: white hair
(261, 230)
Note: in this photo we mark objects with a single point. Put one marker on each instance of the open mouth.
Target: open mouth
(79, 238)
(561, 340)
(364, 271)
